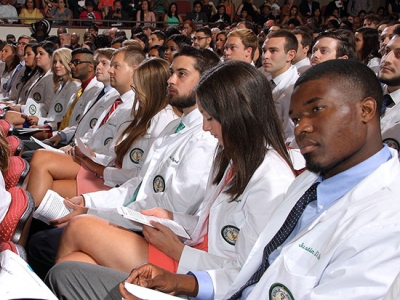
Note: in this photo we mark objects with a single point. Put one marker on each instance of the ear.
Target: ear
(290, 55)
(343, 57)
(306, 48)
(248, 51)
(368, 109)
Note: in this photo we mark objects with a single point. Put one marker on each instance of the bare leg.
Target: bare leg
(66, 188)
(15, 118)
(47, 166)
(94, 240)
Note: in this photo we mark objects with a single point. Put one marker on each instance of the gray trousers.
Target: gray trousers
(76, 280)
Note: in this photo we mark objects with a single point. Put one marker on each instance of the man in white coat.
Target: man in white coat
(175, 172)
(279, 50)
(334, 235)
(389, 74)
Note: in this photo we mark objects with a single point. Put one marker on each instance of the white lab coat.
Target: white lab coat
(392, 114)
(42, 92)
(59, 104)
(353, 247)
(234, 226)
(16, 77)
(174, 175)
(394, 291)
(89, 95)
(137, 154)
(23, 90)
(281, 95)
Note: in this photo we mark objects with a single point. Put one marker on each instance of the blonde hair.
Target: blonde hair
(65, 56)
(248, 38)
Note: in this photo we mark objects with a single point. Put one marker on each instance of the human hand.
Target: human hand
(153, 277)
(163, 239)
(55, 139)
(76, 210)
(32, 120)
(158, 212)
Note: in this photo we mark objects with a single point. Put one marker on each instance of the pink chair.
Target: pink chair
(17, 249)
(16, 145)
(16, 172)
(19, 212)
(6, 128)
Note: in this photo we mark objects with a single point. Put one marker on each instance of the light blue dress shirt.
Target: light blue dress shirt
(327, 194)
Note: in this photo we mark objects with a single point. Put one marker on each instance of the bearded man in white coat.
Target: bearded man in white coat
(343, 244)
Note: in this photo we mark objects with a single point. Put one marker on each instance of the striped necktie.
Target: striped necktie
(112, 109)
(65, 120)
(281, 236)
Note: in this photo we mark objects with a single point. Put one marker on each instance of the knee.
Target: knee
(39, 159)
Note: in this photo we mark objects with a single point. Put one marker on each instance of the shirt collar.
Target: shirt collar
(328, 191)
(86, 83)
(395, 95)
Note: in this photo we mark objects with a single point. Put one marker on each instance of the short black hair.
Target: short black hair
(351, 76)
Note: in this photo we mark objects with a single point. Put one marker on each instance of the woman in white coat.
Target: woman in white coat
(65, 89)
(122, 159)
(251, 172)
(40, 93)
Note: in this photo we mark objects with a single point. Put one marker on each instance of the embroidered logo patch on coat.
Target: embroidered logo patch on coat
(392, 143)
(107, 140)
(37, 97)
(58, 107)
(136, 155)
(93, 122)
(280, 292)
(230, 234)
(158, 184)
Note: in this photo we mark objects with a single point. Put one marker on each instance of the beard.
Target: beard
(311, 165)
(394, 81)
(182, 101)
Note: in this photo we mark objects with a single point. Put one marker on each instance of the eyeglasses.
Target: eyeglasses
(76, 62)
(199, 38)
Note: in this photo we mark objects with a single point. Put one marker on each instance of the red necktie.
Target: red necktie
(113, 107)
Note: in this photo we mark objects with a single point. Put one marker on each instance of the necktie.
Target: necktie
(272, 84)
(281, 236)
(180, 127)
(112, 109)
(387, 101)
(65, 120)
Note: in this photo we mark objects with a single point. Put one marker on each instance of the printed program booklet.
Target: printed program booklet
(51, 208)
(143, 219)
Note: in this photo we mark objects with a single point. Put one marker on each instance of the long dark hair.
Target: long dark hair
(248, 119)
(370, 47)
(142, 11)
(150, 80)
(169, 10)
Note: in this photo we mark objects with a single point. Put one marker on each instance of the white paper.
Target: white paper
(51, 208)
(86, 151)
(143, 219)
(45, 146)
(145, 293)
(18, 281)
(32, 108)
